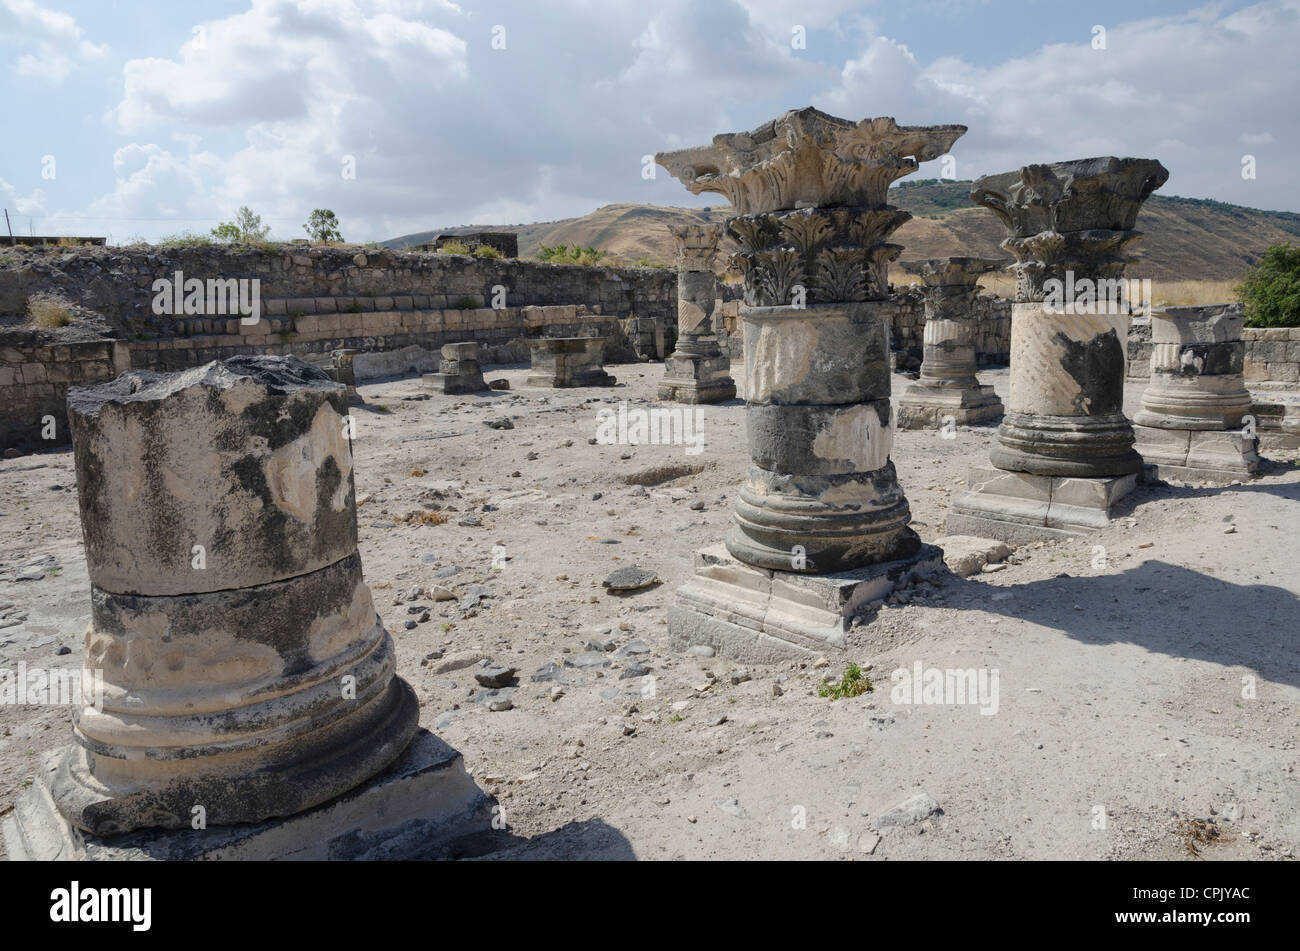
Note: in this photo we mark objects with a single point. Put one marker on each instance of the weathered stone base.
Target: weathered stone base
(1197, 455)
(571, 379)
(926, 407)
(762, 616)
(692, 379)
(455, 382)
(415, 809)
(1020, 507)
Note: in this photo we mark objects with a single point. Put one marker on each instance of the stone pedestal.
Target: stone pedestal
(1022, 507)
(424, 806)
(764, 616)
(948, 388)
(821, 498)
(246, 673)
(1071, 224)
(697, 371)
(1191, 423)
(567, 362)
(458, 370)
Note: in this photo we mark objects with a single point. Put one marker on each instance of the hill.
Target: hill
(1186, 239)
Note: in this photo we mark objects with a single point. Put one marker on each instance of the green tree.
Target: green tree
(322, 226)
(247, 227)
(1271, 288)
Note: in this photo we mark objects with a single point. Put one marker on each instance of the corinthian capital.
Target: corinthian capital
(807, 158)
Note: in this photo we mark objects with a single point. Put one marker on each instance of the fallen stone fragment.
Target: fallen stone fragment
(459, 660)
(966, 555)
(587, 659)
(908, 812)
(731, 807)
(630, 578)
(501, 423)
(497, 675)
(501, 384)
(634, 670)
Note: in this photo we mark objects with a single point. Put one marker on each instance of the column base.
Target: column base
(1021, 507)
(455, 382)
(572, 379)
(416, 809)
(1197, 455)
(763, 616)
(925, 407)
(697, 379)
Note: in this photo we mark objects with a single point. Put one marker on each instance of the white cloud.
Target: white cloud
(1187, 84)
(54, 40)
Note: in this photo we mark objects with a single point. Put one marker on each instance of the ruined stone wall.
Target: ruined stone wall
(396, 308)
(35, 373)
(300, 282)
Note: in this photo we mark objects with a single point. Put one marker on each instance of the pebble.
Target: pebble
(499, 423)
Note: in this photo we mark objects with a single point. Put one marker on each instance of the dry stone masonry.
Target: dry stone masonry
(948, 388)
(1065, 451)
(821, 511)
(698, 371)
(1191, 423)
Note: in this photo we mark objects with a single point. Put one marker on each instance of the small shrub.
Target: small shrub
(467, 303)
(854, 683)
(48, 311)
(486, 251)
(454, 247)
(1271, 288)
(185, 239)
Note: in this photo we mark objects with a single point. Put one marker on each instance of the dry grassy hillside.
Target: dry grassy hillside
(1190, 245)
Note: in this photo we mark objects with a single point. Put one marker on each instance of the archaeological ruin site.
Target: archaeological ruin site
(804, 547)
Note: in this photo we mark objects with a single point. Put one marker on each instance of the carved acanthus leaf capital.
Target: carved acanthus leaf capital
(806, 158)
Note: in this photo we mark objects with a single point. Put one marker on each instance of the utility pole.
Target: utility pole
(9, 226)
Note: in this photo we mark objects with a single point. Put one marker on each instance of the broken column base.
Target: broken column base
(456, 383)
(1197, 455)
(928, 407)
(420, 807)
(1021, 507)
(762, 616)
(689, 379)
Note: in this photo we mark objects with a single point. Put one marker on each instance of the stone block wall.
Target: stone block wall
(117, 283)
(396, 308)
(35, 372)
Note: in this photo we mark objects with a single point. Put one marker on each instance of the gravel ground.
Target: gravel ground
(1146, 676)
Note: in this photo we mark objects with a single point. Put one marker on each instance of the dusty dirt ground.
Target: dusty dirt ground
(1125, 704)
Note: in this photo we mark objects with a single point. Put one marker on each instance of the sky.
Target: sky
(137, 120)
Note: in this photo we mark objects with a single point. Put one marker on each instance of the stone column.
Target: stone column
(948, 387)
(698, 371)
(1190, 426)
(1065, 453)
(568, 361)
(821, 497)
(245, 669)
